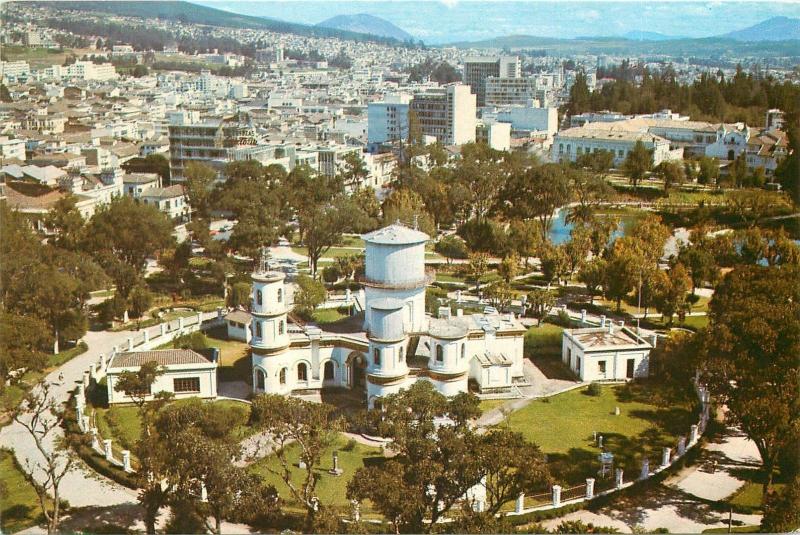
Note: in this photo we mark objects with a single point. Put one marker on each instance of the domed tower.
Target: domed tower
(269, 328)
(386, 363)
(395, 269)
(448, 366)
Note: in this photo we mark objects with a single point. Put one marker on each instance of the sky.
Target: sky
(439, 22)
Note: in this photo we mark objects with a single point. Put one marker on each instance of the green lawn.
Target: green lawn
(329, 315)
(330, 489)
(37, 57)
(490, 404)
(735, 529)
(544, 339)
(563, 427)
(234, 358)
(20, 506)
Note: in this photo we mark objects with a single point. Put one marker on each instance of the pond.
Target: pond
(560, 229)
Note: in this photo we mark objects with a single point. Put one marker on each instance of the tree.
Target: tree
(478, 264)
(451, 247)
(737, 171)
(500, 294)
(538, 193)
(539, 303)
(750, 360)
(699, 260)
(152, 163)
(788, 171)
(509, 267)
(782, 509)
(555, 263)
(589, 187)
(310, 294)
(670, 295)
(671, 172)
(354, 171)
(199, 183)
(137, 385)
(310, 427)
(67, 222)
(753, 205)
(709, 170)
(239, 295)
(407, 206)
(637, 163)
(593, 274)
(39, 415)
(23, 340)
(578, 247)
(140, 301)
(139, 71)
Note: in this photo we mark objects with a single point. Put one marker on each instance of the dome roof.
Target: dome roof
(396, 234)
(446, 329)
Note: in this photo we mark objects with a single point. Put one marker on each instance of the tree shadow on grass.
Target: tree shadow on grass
(113, 519)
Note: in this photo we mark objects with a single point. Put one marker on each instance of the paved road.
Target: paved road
(82, 486)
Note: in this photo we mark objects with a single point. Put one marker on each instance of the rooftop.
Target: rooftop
(605, 337)
(396, 234)
(164, 357)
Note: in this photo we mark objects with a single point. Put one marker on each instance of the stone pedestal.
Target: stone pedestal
(107, 449)
(616, 411)
(126, 460)
(693, 434)
(556, 495)
(666, 453)
(618, 478)
(589, 488)
(645, 469)
(519, 506)
(336, 471)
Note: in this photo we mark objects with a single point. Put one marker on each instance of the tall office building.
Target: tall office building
(446, 113)
(478, 69)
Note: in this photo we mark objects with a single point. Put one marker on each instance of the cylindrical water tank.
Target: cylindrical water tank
(387, 319)
(395, 255)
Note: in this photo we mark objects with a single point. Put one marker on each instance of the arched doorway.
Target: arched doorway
(328, 372)
(356, 366)
(261, 380)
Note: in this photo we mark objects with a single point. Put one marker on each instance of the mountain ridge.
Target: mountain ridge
(367, 24)
(779, 28)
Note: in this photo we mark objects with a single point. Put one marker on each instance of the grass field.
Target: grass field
(37, 57)
(563, 427)
(19, 508)
(329, 315)
(543, 339)
(331, 489)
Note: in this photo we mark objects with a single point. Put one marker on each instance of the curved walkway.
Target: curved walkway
(81, 487)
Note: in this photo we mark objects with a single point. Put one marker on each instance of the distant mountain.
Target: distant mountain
(188, 12)
(639, 35)
(364, 23)
(774, 29)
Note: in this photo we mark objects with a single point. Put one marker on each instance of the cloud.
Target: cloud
(450, 3)
(589, 15)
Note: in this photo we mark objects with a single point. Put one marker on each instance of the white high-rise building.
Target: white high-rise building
(387, 120)
(447, 113)
(478, 69)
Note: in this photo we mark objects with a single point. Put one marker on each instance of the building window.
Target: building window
(258, 329)
(259, 298)
(328, 373)
(282, 376)
(280, 295)
(402, 354)
(439, 353)
(260, 380)
(302, 372)
(376, 356)
(601, 366)
(186, 384)
(280, 327)
(463, 351)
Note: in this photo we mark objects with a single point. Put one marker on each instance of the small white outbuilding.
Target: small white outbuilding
(186, 374)
(606, 353)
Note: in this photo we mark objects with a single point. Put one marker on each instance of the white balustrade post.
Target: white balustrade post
(693, 434)
(108, 450)
(93, 371)
(102, 362)
(665, 456)
(589, 488)
(583, 316)
(95, 440)
(203, 493)
(645, 469)
(126, 460)
(219, 313)
(146, 336)
(85, 426)
(520, 504)
(618, 480)
(130, 343)
(556, 495)
(86, 379)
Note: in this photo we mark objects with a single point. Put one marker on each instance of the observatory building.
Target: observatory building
(397, 344)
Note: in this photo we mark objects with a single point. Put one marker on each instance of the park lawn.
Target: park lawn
(691, 322)
(542, 339)
(234, 356)
(490, 404)
(333, 252)
(735, 529)
(563, 427)
(36, 57)
(20, 507)
(329, 315)
(11, 395)
(332, 490)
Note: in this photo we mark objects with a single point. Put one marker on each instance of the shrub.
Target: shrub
(350, 446)
(594, 389)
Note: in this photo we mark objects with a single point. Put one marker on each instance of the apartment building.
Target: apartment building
(214, 142)
(446, 113)
(387, 120)
(478, 69)
(510, 91)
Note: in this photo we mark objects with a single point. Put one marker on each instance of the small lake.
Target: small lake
(560, 230)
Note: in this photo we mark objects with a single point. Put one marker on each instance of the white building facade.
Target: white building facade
(606, 353)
